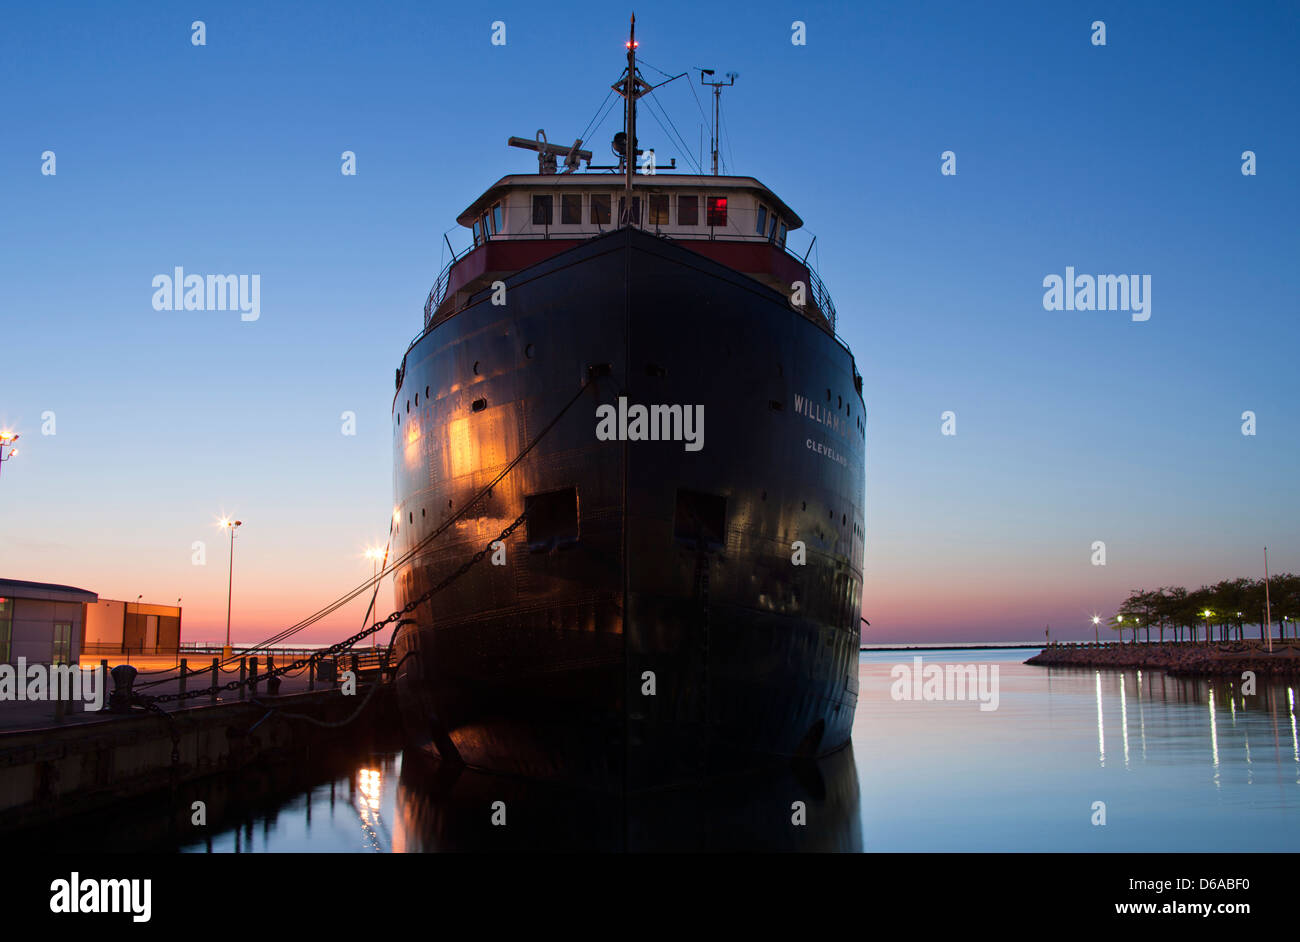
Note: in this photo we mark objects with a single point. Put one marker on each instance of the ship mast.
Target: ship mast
(631, 87)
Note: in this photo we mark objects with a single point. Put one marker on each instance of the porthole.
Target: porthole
(844, 519)
(426, 392)
(417, 400)
(421, 511)
(804, 505)
(408, 405)
(479, 405)
(828, 395)
(476, 367)
(410, 517)
(839, 402)
(528, 351)
(449, 504)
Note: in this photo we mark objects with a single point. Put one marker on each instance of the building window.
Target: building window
(659, 210)
(688, 210)
(600, 209)
(762, 219)
(62, 650)
(636, 210)
(542, 207)
(6, 629)
(716, 214)
(571, 209)
(552, 520)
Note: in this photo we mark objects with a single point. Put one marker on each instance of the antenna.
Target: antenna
(717, 100)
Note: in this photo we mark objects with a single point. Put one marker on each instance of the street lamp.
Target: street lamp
(374, 554)
(7, 440)
(1207, 614)
(231, 525)
(1096, 620)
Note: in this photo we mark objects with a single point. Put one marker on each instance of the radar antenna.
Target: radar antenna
(547, 153)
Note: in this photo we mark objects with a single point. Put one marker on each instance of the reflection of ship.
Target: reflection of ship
(643, 561)
(439, 808)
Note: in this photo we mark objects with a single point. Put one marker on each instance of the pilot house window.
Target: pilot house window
(659, 210)
(542, 205)
(600, 208)
(717, 211)
(552, 520)
(762, 219)
(571, 209)
(636, 211)
(688, 210)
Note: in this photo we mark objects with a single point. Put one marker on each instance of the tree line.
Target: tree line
(1216, 612)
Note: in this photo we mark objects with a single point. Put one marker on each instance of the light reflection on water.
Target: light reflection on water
(1194, 766)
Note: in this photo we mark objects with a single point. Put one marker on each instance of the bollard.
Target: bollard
(252, 674)
(243, 672)
(311, 674)
(272, 683)
(184, 668)
(216, 677)
(119, 701)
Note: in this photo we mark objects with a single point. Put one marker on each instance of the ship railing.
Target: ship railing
(437, 293)
(821, 297)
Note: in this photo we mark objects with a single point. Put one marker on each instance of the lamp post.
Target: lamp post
(1207, 614)
(7, 440)
(373, 554)
(231, 525)
(1096, 632)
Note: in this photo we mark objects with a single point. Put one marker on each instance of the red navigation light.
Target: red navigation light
(631, 45)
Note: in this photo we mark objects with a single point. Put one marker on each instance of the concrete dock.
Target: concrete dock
(78, 761)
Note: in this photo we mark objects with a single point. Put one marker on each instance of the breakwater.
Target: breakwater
(1191, 658)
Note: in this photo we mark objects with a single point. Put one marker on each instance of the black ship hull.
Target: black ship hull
(649, 625)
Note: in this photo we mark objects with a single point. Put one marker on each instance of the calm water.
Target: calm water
(1181, 765)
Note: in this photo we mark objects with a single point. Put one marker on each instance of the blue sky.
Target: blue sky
(1072, 426)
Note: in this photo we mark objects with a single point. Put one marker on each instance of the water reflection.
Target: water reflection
(921, 776)
(804, 807)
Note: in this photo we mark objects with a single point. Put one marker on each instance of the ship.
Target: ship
(629, 452)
